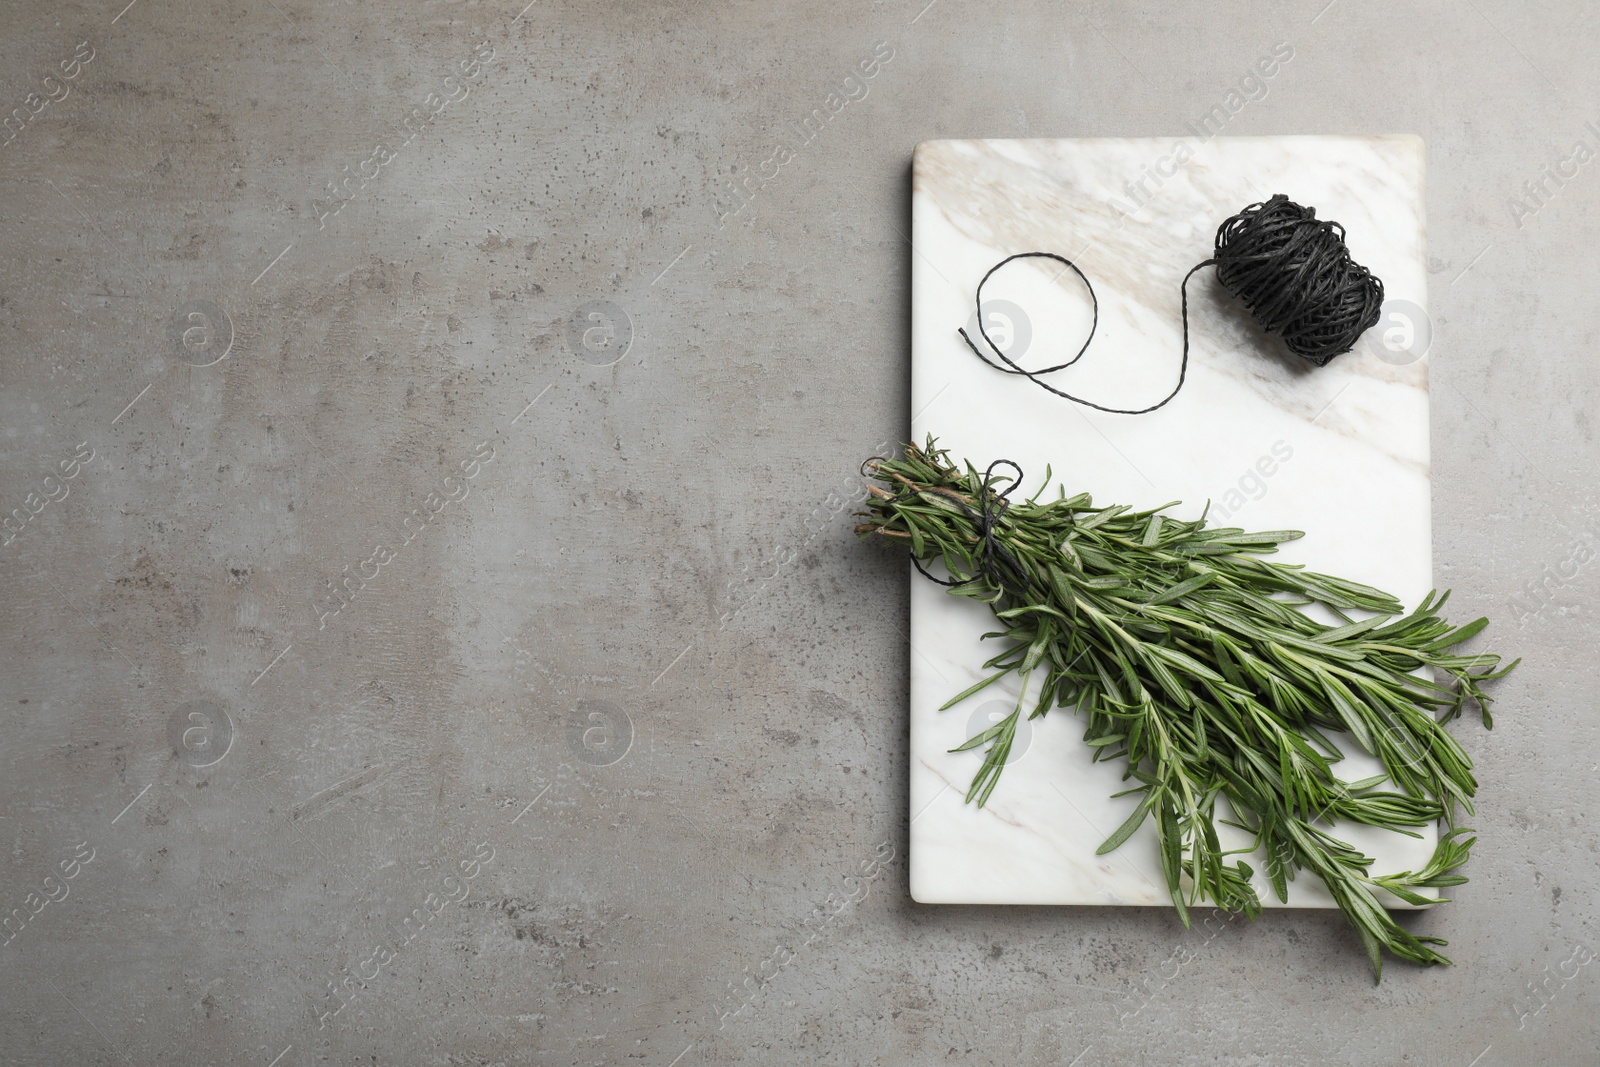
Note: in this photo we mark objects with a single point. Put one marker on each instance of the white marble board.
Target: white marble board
(1340, 452)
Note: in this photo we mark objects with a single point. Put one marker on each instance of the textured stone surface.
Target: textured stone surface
(638, 694)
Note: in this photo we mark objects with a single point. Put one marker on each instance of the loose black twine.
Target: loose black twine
(1291, 270)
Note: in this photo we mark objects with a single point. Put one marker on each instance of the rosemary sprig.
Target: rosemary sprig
(1187, 655)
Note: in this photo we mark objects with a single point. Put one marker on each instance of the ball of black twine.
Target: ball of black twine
(1291, 270)
(1293, 273)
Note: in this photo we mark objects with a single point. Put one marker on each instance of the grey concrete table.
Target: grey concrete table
(433, 632)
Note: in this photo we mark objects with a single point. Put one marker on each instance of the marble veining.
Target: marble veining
(1340, 452)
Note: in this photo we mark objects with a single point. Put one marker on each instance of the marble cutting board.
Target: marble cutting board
(1340, 452)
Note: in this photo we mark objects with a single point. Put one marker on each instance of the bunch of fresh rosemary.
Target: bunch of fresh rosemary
(1185, 653)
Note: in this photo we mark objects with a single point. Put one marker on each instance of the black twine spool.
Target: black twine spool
(1291, 270)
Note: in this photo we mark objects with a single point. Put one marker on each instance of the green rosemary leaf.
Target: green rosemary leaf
(1183, 588)
(1172, 657)
(1409, 896)
(1004, 726)
(1374, 949)
(1129, 825)
(1266, 537)
(965, 693)
(1103, 515)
